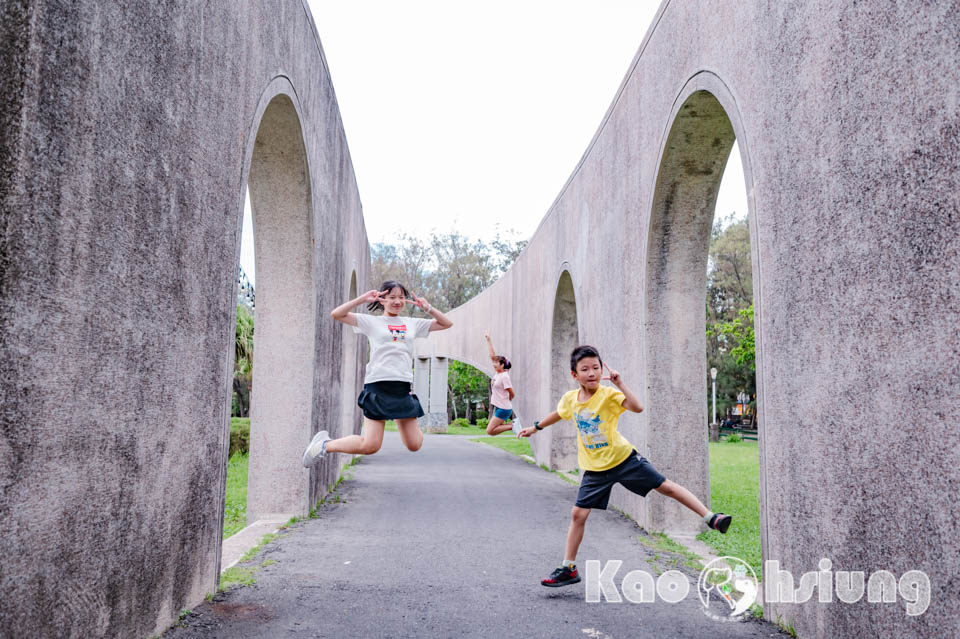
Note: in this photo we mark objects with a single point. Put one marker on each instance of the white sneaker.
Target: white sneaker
(517, 427)
(315, 450)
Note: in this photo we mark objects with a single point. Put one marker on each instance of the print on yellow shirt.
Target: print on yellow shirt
(599, 445)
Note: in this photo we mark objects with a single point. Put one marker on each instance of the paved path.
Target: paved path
(451, 541)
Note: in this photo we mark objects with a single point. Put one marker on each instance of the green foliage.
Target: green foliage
(461, 422)
(481, 414)
(733, 438)
(482, 423)
(740, 332)
(239, 436)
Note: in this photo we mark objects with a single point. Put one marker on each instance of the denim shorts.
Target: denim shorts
(634, 473)
(502, 413)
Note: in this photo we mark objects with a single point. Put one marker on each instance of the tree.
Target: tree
(461, 269)
(466, 385)
(729, 309)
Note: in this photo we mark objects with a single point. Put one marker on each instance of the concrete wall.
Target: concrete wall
(847, 116)
(127, 135)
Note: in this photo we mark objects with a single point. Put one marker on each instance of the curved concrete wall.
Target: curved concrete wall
(128, 131)
(848, 119)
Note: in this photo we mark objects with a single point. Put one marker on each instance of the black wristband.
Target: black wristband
(537, 425)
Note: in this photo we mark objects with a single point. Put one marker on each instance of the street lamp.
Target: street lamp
(713, 376)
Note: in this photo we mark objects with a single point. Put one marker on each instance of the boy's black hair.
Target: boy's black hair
(386, 287)
(505, 362)
(582, 352)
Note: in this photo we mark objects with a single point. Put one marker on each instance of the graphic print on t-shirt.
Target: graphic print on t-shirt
(587, 424)
(399, 332)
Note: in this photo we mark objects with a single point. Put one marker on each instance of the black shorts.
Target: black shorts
(389, 400)
(635, 473)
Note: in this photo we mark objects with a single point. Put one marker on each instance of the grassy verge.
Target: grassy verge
(735, 490)
(235, 508)
(674, 553)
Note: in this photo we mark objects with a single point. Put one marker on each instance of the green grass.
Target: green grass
(253, 552)
(735, 490)
(238, 575)
(237, 422)
(509, 444)
(659, 541)
(235, 508)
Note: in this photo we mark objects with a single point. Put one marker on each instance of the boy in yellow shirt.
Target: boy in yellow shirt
(605, 456)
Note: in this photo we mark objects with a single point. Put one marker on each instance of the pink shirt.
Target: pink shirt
(499, 396)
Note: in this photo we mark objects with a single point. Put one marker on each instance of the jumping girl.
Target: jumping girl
(501, 394)
(386, 388)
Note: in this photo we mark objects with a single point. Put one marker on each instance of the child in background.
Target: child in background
(605, 456)
(386, 389)
(501, 394)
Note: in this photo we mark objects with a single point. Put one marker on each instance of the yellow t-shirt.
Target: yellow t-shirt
(599, 445)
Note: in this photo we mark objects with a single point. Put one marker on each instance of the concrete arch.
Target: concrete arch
(559, 446)
(692, 156)
(282, 398)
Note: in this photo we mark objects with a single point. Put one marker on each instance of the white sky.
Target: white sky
(470, 117)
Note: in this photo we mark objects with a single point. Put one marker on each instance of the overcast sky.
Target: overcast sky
(471, 117)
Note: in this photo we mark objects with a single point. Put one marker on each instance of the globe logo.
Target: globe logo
(727, 587)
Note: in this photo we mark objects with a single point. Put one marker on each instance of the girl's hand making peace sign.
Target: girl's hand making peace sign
(372, 296)
(419, 302)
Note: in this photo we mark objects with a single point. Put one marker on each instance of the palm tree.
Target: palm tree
(243, 359)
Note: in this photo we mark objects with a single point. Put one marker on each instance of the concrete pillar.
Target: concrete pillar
(435, 406)
(421, 381)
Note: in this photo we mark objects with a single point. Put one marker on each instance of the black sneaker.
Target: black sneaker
(720, 522)
(562, 576)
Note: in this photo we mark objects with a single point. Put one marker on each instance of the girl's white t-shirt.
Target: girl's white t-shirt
(391, 345)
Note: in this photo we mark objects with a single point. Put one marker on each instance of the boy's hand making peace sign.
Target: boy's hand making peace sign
(612, 375)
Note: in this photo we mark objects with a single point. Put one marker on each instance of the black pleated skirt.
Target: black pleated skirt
(389, 400)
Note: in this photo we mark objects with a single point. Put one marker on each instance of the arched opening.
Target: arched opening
(282, 396)
(691, 167)
(559, 448)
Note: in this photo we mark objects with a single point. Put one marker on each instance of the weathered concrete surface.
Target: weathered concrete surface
(451, 541)
(128, 131)
(847, 116)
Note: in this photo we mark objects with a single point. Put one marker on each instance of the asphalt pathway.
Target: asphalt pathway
(451, 541)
